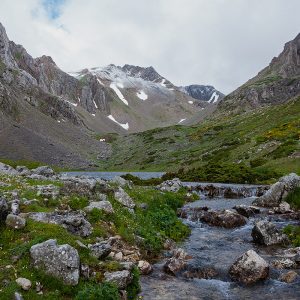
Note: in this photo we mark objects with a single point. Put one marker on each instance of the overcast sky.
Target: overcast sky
(217, 42)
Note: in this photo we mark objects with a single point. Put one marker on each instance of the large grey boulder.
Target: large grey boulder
(79, 185)
(101, 205)
(43, 171)
(278, 191)
(7, 170)
(247, 211)
(74, 222)
(48, 191)
(249, 268)
(122, 197)
(59, 261)
(173, 185)
(120, 278)
(3, 209)
(100, 250)
(120, 181)
(266, 233)
(23, 171)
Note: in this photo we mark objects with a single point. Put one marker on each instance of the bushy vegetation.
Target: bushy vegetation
(293, 198)
(103, 291)
(293, 232)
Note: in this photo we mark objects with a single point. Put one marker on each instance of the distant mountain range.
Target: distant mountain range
(49, 115)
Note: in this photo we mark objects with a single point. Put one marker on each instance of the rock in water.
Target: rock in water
(288, 277)
(15, 222)
(122, 197)
(144, 267)
(266, 233)
(120, 278)
(173, 185)
(247, 211)
(59, 261)
(249, 268)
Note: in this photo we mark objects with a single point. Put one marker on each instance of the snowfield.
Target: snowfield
(142, 95)
(125, 126)
(115, 87)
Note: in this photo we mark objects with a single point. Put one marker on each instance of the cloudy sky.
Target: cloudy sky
(217, 42)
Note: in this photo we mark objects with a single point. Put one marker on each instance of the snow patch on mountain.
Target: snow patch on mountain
(95, 104)
(182, 120)
(125, 126)
(214, 98)
(191, 102)
(115, 87)
(142, 95)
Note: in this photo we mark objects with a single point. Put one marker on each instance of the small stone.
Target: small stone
(119, 256)
(144, 267)
(24, 283)
(288, 277)
(18, 296)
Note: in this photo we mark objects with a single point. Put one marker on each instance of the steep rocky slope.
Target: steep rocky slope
(277, 83)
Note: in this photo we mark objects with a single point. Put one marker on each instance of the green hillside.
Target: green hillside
(264, 141)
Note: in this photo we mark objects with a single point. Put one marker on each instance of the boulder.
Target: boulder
(7, 170)
(283, 208)
(200, 273)
(249, 268)
(173, 185)
(15, 207)
(120, 181)
(61, 261)
(144, 267)
(101, 205)
(48, 191)
(284, 263)
(74, 222)
(24, 283)
(247, 211)
(45, 171)
(3, 209)
(120, 278)
(122, 197)
(177, 262)
(23, 171)
(83, 186)
(288, 277)
(100, 250)
(223, 218)
(266, 233)
(278, 191)
(15, 222)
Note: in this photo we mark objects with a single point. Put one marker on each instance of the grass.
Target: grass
(293, 198)
(293, 232)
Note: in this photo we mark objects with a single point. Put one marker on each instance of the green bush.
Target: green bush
(134, 287)
(293, 198)
(104, 291)
(77, 202)
(293, 232)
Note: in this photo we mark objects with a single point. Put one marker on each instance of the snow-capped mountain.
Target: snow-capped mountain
(203, 92)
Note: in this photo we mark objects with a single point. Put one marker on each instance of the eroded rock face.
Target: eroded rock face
(59, 261)
(223, 218)
(120, 278)
(74, 222)
(122, 197)
(249, 268)
(173, 185)
(278, 191)
(266, 233)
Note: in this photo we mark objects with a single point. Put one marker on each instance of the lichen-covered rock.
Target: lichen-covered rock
(283, 208)
(173, 185)
(223, 218)
(266, 233)
(15, 222)
(247, 211)
(177, 262)
(23, 171)
(120, 181)
(59, 261)
(284, 263)
(83, 186)
(120, 278)
(249, 268)
(101, 205)
(122, 197)
(100, 250)
(74, 222)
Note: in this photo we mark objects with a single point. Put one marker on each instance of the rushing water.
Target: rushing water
(219, 248)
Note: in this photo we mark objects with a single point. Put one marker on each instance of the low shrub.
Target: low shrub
(293, 198)
(103, 291)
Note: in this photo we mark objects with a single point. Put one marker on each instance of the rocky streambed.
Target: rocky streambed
(217, 263)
